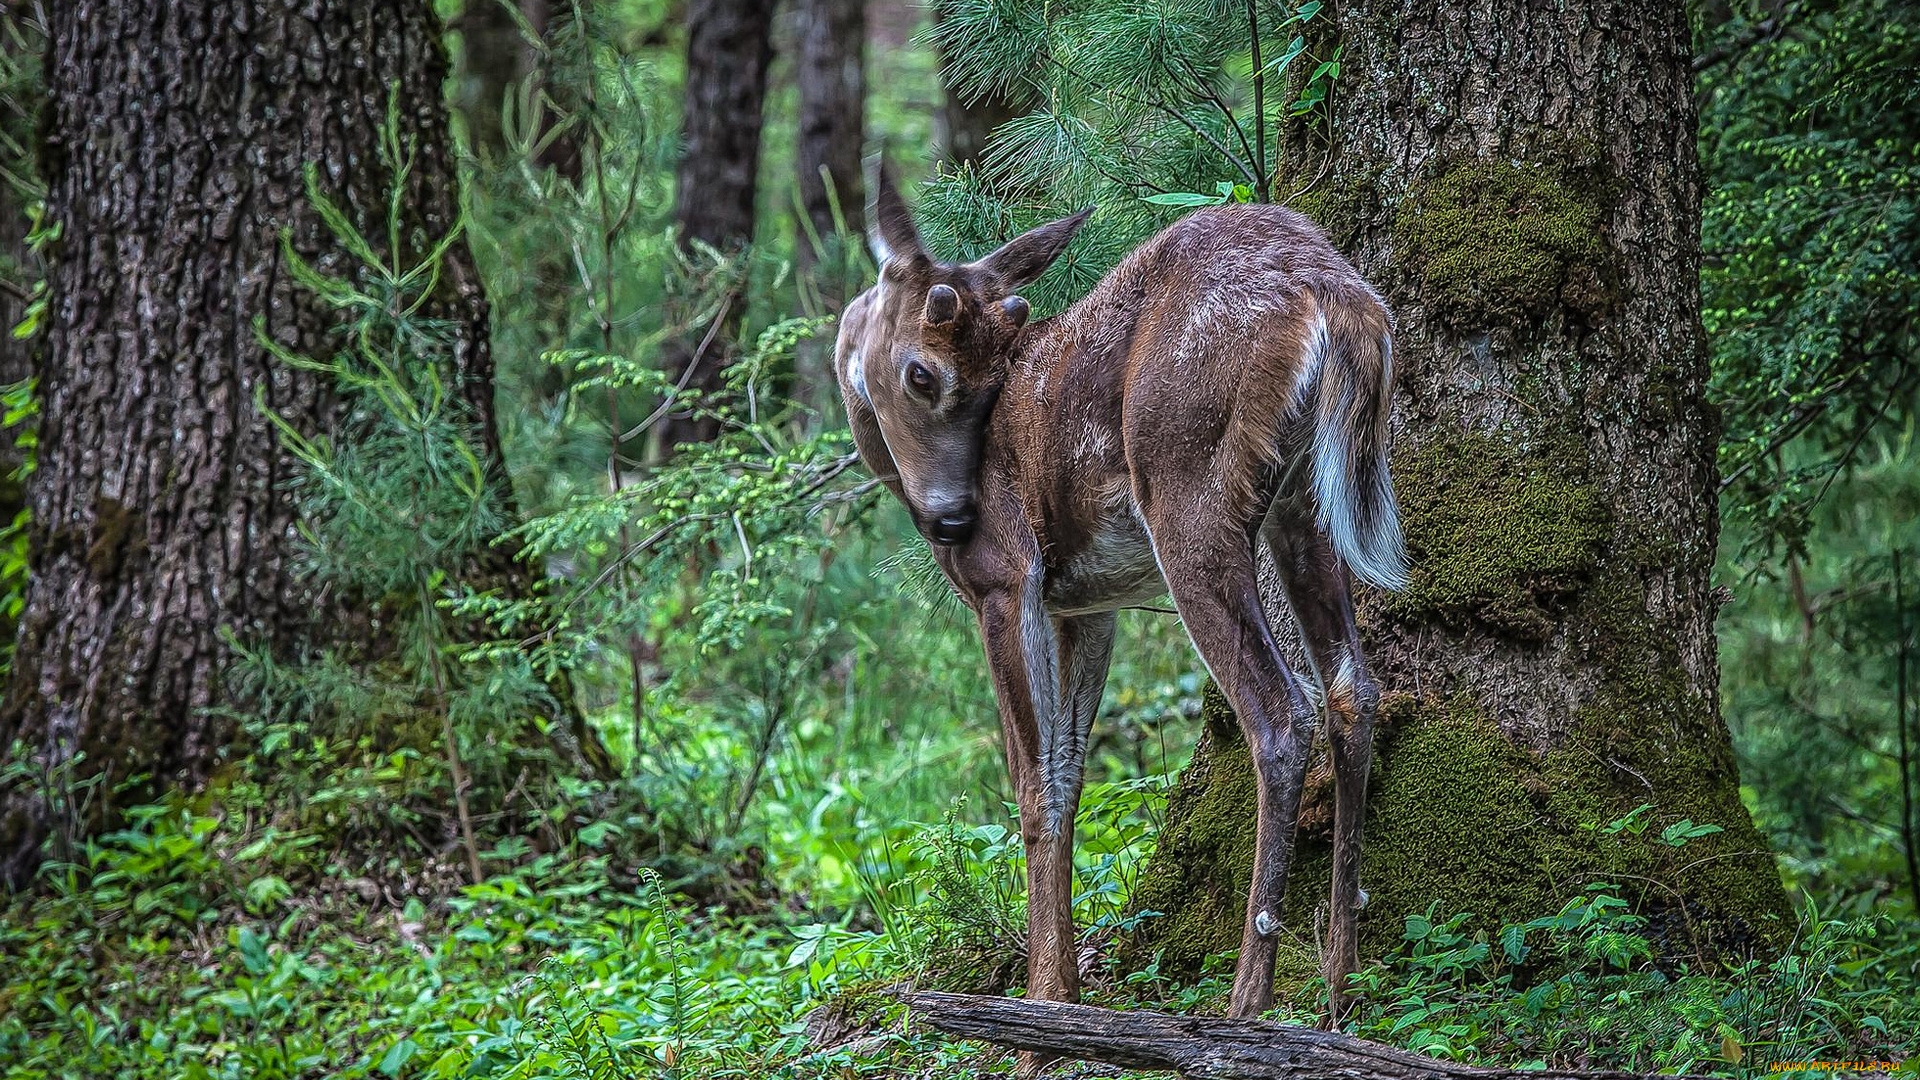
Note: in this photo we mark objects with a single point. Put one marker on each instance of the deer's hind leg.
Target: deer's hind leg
(1207, 558)
(1316, 586)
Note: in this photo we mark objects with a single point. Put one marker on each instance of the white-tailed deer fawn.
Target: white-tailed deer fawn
(1228, 383)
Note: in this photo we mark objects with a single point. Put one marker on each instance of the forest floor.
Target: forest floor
(177, 953)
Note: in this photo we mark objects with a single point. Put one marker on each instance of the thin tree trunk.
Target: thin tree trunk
(496, 58)
(493, 56)
(1522, 185)
(497, 62)
(177, 137)
(831, 72)
(21, 94)
(967, 120)
(966, 124)
(729, 45)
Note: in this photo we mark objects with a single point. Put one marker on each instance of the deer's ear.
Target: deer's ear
(1021, 260)
(893, 235)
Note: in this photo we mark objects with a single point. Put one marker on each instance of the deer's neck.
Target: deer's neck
(1070, 367)
(1054, 452)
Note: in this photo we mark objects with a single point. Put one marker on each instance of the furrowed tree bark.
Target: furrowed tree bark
(1522, 186)
(831, 72)
(176, 141)
(729, 45)
(1198, 1047)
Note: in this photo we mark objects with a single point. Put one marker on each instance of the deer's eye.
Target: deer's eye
(922, 380)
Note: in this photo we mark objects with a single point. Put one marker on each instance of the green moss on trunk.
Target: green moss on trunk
(1497, 537)
(1494, 242)
(1460, 816)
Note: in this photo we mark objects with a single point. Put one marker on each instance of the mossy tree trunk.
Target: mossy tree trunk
(1522, 185)
(177, 138)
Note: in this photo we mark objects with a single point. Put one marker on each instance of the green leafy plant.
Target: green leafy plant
(1579, 985)
(396, 506)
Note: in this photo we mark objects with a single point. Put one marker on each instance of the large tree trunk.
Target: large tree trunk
(729, 45)
(176, 142)
(831, 73)
(1522, 185)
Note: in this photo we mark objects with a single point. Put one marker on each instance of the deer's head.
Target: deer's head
(927, 347)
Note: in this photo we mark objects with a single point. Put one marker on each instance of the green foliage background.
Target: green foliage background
(802, 798)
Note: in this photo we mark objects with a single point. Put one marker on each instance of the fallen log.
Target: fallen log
(1199, 1047)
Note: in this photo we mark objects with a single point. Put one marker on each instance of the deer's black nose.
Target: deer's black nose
(954, 527)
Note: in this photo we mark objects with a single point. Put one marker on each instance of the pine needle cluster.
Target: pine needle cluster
(1139, 109)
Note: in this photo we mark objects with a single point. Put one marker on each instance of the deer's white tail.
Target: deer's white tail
(1350, 360)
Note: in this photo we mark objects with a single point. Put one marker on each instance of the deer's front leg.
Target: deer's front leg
(1047, 676)
(1082, 648)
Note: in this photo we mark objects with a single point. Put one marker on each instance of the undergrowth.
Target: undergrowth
(175, 948)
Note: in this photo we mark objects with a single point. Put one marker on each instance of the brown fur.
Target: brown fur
(1138, 442)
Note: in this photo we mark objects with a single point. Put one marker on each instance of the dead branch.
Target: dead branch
(1198, 1047)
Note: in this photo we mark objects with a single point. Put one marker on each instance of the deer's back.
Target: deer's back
(1197, 335)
